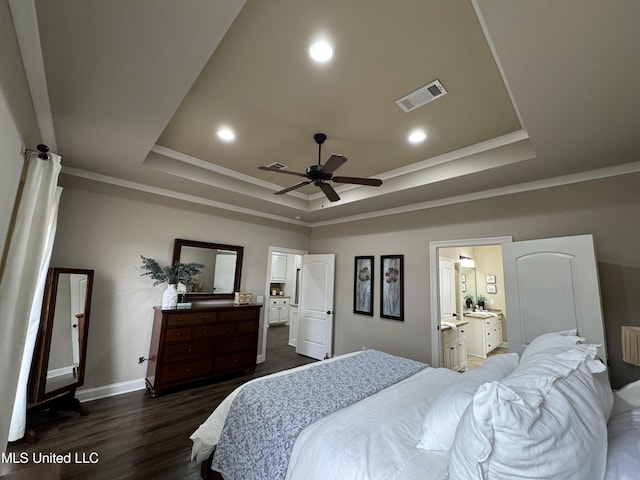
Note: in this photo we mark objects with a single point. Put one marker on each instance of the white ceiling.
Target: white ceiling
(540, 93)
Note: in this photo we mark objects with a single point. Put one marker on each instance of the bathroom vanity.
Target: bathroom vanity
(485, 332)
(454, 345)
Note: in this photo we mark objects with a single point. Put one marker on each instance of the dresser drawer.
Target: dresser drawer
(188, 318)
(201, 343)
(239, 314)
(215, 330)
(234, 361)
(183, 371)
(247, 327)
(233, 344)
(185, 351)
(178, 333)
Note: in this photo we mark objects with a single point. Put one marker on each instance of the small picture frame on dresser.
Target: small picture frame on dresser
(241, 298)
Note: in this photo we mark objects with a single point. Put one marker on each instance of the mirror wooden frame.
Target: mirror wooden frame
(38, 376)
(177, 248)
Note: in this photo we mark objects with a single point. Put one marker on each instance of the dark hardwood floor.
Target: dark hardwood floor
(134, 436)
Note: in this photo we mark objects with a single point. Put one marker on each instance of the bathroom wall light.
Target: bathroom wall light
(467, 262)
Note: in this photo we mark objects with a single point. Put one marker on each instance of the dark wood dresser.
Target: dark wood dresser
(200, 343)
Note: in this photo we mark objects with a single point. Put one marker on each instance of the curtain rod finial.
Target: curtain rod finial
(43, 149)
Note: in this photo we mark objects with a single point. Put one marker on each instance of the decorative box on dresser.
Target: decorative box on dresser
(201, 343)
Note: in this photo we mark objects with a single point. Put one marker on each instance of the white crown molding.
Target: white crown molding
(76, 172)
(25, 22)
(212, 167)
(517, 139)
(605, 172)
(496, 59)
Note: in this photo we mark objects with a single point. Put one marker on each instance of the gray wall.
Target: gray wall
(107, 229)
(608, 208)
(18, 125)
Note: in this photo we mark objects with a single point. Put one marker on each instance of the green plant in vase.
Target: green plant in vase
(481, 300)
(178, 274)
(468, 300)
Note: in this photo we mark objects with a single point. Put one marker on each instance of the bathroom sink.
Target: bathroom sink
(480, 314)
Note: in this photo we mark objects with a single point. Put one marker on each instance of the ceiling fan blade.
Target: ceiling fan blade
(278, 170)
(372, 182)
(329, 192)
(292, 187)
(333, 163)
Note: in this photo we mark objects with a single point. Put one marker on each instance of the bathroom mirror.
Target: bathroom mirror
(470, 282)
(220, 277)
(61, 346)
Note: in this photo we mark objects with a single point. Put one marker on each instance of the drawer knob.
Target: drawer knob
(178, 334)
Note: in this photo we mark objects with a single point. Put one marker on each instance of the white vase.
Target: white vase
(170, 297)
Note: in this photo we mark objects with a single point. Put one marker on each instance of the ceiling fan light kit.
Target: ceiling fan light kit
(319, 174)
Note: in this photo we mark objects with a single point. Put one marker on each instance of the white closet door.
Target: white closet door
(552, 284)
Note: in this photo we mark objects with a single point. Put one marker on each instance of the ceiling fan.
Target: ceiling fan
(319, 174)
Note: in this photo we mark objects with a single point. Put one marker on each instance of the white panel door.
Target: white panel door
(224, 275)
(78, 300)
(551, 285)
(447, 289)
(315, 315)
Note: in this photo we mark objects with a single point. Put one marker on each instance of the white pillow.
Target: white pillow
(623, 454)
(627, 398)
(441, 420)
(535, 425)
(550, 341)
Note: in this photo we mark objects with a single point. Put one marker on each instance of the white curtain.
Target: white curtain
(22, 285)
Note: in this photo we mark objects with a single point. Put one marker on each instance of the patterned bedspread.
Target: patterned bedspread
(266, 417)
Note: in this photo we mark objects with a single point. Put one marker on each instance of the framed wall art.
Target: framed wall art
(491, 288)
(392, 287)
(363, 285)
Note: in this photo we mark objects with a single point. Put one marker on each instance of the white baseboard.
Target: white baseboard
(504, 345)
(95, 393)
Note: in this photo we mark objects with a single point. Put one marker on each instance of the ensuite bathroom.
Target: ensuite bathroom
(472, 305)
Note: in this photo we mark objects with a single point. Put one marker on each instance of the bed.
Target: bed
(549, 414)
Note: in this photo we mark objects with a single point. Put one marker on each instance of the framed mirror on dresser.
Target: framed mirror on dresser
(59, 358)
(220, 277)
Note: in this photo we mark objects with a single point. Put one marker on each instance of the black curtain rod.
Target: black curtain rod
(42, 151)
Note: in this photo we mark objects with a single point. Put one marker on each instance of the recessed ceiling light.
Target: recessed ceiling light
(321, 51)
(417, 136)
(226, 134)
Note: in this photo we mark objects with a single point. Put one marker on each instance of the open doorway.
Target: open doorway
(467, 302)
(282, 289)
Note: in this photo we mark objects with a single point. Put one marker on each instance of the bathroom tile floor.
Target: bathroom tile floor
(475, 362)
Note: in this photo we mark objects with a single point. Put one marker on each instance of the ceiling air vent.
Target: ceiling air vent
(278, 165)
(421, 96)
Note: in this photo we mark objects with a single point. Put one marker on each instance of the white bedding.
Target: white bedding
(376, 438)
(623, 458)
(206, 437)
(380, 432)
